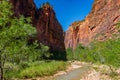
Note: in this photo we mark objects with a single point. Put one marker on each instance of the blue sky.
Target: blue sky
(68, 11)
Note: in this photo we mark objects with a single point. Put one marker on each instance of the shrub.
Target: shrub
(107, 52)
(69, 54)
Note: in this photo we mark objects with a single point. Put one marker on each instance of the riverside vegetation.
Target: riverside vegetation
(101, 52)
(105, 54)
(18, 59)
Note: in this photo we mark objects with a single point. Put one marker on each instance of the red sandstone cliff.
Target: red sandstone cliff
(49, 30)
(98, 25)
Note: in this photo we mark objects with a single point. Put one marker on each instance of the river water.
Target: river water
(73, 75)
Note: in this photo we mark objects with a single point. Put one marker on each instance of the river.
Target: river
(74, 74)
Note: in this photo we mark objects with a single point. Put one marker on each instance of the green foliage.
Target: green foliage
(107, 52)
(69, 54)
(4, 13)
(14, 34)
(43, 69)
(35, 69)
(118, 26)
(17, 57)
(44, 54)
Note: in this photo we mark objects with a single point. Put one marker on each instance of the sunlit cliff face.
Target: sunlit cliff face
(98, 25)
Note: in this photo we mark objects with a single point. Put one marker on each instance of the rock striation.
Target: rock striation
(49, 30)
(100, 24)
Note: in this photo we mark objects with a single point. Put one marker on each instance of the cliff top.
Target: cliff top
(76, 23)
(46, 5)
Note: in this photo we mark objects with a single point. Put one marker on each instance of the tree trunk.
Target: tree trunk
(1, 69)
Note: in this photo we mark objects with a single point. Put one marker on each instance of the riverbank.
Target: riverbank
(28, 70)
(76, 70)
(102, 72)
(72, 65)
(88, 71)
(95, 72)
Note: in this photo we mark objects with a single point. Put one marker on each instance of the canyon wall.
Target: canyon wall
(49, 30)
(99, 25)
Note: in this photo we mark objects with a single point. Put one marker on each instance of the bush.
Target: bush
(107, 52)
(69, 54)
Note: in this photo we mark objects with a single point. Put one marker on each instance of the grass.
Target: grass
(36, 69)
(107, 52)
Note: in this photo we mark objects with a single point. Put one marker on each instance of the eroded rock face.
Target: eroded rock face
(24, 7)
(99, 24)
(49, 30)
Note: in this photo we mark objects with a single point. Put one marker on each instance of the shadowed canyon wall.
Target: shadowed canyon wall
(100, 24)
(49, 30)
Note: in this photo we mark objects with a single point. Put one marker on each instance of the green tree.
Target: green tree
(14, 35)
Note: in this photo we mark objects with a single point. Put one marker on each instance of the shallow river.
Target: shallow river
(73, 75)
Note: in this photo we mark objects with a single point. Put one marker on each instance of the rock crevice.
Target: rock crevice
(98, 25)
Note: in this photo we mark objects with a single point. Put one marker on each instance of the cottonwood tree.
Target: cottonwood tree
(14, 34)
